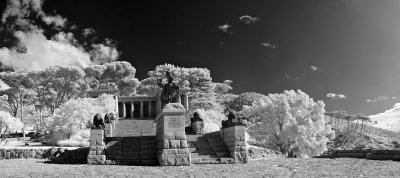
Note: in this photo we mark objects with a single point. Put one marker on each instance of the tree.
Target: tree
(8, 123)
(290, 122)
(77, 114)
(66, 82)
(15, 92)
(245, 99)
(119, 74)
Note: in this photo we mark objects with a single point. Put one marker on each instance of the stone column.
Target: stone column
(186, 102)
(150, 109)
(123, 109)
(235, 139)
(141, 109)
(116, 106)
(172, 149)
(96, 150)
(158, 106)
(132, 109)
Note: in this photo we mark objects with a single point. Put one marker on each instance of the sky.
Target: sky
(345, 53)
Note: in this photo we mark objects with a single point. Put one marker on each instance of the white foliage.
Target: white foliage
(76, 115)
(8, 123)
(292, 122)
(211, 118)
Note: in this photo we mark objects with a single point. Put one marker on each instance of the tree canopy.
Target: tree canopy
(291, 122)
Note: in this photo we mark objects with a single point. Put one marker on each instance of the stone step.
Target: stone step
(206, 161)
(198, 155)
(223, 154)
(220, 148)
(191, 149)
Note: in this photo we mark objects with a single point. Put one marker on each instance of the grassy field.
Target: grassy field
(275, 167)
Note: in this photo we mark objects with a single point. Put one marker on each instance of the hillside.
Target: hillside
(356, 135)
(390, 119)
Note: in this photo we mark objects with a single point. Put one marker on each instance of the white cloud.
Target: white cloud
(225, 28)
(315, 68)
(268, 45)
(42, 52)
(104, 53)
(38, 51)
(88, 31)
(390, 119)
(57, 20)
(248, 19)
(379, 98)
(335, 96)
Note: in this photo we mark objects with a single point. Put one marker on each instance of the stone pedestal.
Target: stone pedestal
(109, 129)
(172, 147)
(198, 127)
(235, 139)
(96, 150)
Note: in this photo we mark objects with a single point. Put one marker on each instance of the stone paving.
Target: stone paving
(273, 167)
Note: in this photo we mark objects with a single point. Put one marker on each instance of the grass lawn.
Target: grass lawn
(274, 167)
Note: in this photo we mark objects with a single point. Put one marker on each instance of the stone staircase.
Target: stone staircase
(208, 149)
(134, 128)
(141, 150)
(133, 142)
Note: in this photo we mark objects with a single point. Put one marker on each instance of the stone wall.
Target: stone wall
(172, 149)
(16, 153)
(235, 139)
(96, 153)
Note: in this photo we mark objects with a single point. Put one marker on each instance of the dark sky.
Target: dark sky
(355, 45)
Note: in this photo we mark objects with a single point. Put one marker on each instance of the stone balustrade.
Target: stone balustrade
(198, 127)
(96, 151)
(235, 139)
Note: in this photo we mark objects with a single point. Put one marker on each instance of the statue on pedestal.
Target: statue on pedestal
(98, 122)
(170, 93)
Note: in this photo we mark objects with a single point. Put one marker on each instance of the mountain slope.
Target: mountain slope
(390, 119)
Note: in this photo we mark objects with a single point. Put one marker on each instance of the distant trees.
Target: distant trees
(349, 128)
(37, 94)
(197, 82)
(111, 75)
(290, 122)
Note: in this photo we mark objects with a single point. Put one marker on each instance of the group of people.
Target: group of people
(99, 122)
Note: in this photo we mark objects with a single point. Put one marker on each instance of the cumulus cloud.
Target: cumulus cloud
(248, 19)
(380, 98)
(335, 96)
(35, 51)
(268, 45)
(104, 53)
(315, 68)
(225, 28)
(41, 52)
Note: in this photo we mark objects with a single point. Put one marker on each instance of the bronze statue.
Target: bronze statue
(98, 121)
(107, 118)
(170, 93)
(196, 117)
